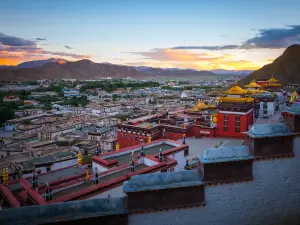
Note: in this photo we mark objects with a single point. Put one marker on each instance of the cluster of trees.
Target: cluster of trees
(7, 111)
(76, 101)
(110, 86)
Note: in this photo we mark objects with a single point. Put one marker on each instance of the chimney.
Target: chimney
(291, 117)
(226, 164)
(265, 140)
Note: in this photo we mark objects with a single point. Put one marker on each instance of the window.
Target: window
(237, 129)
(237, 123)
(225, 117)
(265, 112)
(265, 106)
(237, 118)
(225, 128)
(226, 122)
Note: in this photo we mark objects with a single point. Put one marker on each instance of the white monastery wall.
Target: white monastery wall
(272, 198)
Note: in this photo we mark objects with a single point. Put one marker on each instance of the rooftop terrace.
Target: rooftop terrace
(103, 179)
(57, 174)
(126, 158)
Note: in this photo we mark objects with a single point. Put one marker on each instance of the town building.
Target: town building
(227, 186)
(11, 98)
(235, 112)
(71, 93)
(265, 105)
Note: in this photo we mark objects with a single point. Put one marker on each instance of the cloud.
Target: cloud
(68, 47)
(266, 38)
(220, 47)
(15, 41)
(175, 55)
(20, 50)
(274, 38)
(41, 39)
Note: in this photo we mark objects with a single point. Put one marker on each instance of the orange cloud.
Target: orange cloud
(197, 60)
(174, 55)
(13, 55)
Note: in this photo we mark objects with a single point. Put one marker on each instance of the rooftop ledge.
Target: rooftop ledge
(269, 130)
(225, 154)
(149, 182)
(59, 212)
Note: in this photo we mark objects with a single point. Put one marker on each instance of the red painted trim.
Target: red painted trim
(36, 197)
(152, 158)
(104, 162)
(52, 171)
(61, 181)
(11, 199)
(11, 182)
(86, 193)
(134, 147)
(23, 197)
(25, 183)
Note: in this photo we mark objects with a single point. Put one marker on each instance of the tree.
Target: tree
(6, 114)
(27, 122)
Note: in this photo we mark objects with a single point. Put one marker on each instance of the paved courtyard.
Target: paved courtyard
(197, 146)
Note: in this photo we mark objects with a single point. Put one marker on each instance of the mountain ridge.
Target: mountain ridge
(285, 68)
(86, 69)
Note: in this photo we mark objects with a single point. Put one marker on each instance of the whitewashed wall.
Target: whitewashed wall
(273, 197)
(179, 157)
(97, 167)
(149, 162)
(63, 164)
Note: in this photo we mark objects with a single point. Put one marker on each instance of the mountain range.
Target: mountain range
(286, 68)
(86, 69)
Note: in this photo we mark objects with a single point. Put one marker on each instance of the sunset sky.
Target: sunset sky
(198, 34)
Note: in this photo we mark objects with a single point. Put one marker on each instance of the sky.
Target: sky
(198, 34)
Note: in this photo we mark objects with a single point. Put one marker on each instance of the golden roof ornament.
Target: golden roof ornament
(253, 84)
(235, 90)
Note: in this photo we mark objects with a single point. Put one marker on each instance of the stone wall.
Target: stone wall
(273, 197)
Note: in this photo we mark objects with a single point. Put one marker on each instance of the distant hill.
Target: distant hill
(286, 68)
(36, 63)
(86, 69)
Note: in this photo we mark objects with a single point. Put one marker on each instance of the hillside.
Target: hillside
(82, 69)
(286, 68)
(86, 70)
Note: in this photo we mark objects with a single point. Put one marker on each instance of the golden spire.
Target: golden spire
(294, 96)
(253, 84)
(79, 158)
(235, 90)
(272, 80)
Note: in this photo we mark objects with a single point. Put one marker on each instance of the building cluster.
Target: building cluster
(74, 153)
(263, 170)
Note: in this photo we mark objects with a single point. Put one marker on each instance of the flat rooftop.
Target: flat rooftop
(197, 146)
(58, 174)
(101, 180)
(126, 158)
